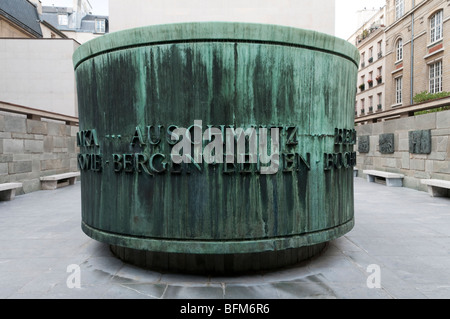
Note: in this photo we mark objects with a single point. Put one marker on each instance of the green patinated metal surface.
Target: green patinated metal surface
(135, 86)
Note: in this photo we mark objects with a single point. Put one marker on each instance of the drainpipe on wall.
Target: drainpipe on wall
(412, 54)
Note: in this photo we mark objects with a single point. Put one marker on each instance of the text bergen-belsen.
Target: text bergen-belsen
(246, 151)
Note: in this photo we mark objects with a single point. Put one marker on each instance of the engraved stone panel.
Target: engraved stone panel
(387, 144)
(420, 142)
(364, 144)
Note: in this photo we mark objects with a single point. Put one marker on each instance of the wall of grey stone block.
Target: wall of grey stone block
(30, 149)
(415, 167)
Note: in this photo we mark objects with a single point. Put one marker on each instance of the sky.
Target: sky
(99, 7)
(348, 12)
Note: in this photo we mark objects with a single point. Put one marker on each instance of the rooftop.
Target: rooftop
(74, 22)
(23, 13)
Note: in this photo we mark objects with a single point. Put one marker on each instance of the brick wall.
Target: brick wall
(30, 149)
(414, 166)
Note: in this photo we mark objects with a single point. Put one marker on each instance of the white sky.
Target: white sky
(99, 7)
(347, 17)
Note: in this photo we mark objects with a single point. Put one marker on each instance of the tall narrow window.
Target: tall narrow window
(379, 77)
(380, 49)
(100, 26)
(399, 8)
(399, 50)
(380, 101)
(63, 19)
(436, 27)
(436, 77)
(398, 90)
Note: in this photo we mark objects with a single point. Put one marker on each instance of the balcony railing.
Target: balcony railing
(402, 111)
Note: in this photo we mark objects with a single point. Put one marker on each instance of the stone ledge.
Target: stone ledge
(8, 191)
(59, 176)
(437, 187)
(392, 179)
(60, 180)
(383, 174)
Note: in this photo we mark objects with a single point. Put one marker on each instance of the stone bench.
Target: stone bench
(59, 180)
(437, 187)
(392, 179)
(8, 191)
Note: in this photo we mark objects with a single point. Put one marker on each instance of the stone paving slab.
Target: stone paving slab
(406, 233)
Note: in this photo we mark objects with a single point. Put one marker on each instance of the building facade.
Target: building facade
(38, 102)
(417, 35)
(76, 22)
(19, 19)
(370, 41)
(408, 136)
(36, 64)
(293, 13)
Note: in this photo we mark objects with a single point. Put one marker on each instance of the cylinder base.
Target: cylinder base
(203, 264)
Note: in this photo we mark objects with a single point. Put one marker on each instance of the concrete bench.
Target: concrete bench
(437, 187)
(59, 180)
(8, 191)
(392, 179)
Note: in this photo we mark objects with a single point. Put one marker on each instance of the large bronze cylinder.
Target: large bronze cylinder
(135, 87)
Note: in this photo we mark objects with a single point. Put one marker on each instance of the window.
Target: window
(399, 9)
(436, 27)
(100, 26)
(436, 77)
(380, 101)
(371, 54)
(363, 59)
(398, 90)
(63, 19)
(380, 49)
(399, 50)
(379, 77)
(370, 103)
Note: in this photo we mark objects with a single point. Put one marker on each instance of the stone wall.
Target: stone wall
(30, 149)
(434, 165)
